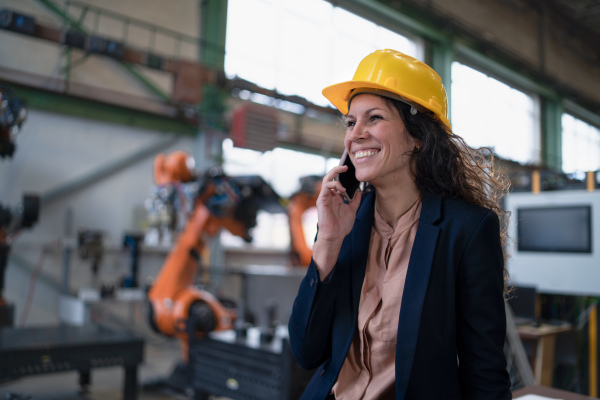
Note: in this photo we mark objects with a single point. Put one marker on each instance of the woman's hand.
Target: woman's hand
(336, 220)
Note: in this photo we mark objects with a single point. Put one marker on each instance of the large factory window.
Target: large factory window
(487, 112)
(282, 170)
(299, 47)
(580, 145)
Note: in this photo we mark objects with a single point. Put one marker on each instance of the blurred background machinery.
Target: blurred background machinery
(12, 221)
(13, 113)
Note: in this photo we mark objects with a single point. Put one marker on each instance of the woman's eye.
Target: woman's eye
(350, 124)
(376, 117)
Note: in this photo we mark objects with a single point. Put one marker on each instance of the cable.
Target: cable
(32, 282)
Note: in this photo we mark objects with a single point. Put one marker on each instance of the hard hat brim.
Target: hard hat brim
(340, 94)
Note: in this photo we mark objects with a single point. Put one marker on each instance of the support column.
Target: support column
(552, 133)
(209, 142)
(441, 56)
(213, 26)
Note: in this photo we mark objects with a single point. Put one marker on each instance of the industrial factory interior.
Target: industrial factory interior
(163, 170)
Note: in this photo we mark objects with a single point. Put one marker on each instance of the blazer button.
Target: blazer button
(322, 372)
(312, 282)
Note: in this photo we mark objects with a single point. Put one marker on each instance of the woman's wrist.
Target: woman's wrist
(325, 254)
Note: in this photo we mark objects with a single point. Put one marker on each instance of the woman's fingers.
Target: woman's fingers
(329, 181)
(334, 186)
(333, 172)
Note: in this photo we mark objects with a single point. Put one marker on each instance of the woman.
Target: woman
(404, 297)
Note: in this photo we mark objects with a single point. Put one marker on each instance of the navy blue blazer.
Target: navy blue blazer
(452, 322)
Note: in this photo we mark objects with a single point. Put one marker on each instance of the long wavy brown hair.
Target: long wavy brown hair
(447, 166)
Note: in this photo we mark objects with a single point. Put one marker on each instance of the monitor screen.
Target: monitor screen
(565, 229)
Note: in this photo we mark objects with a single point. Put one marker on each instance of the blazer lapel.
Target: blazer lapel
(417, 278)
(360, 240)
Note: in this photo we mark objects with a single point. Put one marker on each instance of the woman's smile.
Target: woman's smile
(363, 154)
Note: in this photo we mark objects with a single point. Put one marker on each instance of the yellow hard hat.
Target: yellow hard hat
(393, 72)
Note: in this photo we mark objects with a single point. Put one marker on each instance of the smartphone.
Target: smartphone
(348, 178)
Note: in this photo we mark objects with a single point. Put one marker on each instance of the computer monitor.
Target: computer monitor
(563, 229)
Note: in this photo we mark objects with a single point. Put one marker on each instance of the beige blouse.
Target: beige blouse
(369, 370)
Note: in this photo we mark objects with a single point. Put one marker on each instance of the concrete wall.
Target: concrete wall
(54, 151)
(56, 154)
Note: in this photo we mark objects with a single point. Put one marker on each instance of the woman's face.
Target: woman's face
(378, 142)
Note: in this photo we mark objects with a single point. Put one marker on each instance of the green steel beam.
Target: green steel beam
(77, 25)
(441, 55)
(213, 14)
(213, 26)
(63, 104)
(582, 113)
(49, 4)
(213, 31)
(146, 82)
(552, 111)
(394, 18)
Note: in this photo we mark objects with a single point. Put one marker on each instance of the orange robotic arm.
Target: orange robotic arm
(177, 307)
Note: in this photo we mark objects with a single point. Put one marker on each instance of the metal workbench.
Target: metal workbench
(49, 349)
